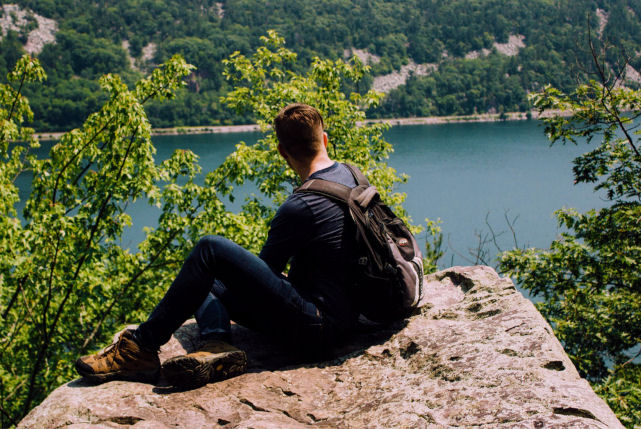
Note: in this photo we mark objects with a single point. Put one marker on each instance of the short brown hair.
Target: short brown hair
(299, 129)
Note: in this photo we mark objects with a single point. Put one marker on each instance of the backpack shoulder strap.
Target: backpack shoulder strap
(336, 191)
(332, 190)
(358, 175)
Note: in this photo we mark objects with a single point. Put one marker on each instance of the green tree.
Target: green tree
(263, 84)
(590, 278)
(11, 49)
(90, 37)
(63, 275)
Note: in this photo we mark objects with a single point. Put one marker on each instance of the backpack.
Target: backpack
(388, 268)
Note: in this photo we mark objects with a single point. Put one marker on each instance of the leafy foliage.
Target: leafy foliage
(263, 85)
(433, 245)
(590, 278)
(63, 275)
(622, 392)
(66, 281)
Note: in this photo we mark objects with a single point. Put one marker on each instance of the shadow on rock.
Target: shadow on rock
(81, 382)
(267, 354)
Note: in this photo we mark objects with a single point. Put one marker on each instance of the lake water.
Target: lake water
(460, 173)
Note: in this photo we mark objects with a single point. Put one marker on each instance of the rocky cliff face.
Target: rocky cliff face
(13, 17)
(478, 354)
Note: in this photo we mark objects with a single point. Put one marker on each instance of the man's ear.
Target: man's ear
(325, 139)
(282, 152)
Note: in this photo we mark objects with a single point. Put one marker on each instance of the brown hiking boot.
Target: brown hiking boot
(213, 361)
(122, 360)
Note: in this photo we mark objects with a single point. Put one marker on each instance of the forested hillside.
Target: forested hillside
(458, 56)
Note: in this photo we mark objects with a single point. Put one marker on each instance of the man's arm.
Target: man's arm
(290, 230)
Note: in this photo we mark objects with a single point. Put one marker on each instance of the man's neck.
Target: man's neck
(318, 163)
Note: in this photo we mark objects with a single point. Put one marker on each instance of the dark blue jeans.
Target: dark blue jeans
(221, 280)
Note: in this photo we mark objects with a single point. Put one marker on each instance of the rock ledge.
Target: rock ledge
(478, 354)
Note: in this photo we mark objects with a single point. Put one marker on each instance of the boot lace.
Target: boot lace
(109, 352)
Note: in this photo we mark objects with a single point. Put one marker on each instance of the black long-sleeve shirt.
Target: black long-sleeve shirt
(316, 235)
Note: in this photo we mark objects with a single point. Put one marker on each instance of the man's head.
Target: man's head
(299, 129)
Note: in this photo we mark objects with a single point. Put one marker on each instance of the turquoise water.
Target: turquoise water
(462, 173)
(459, 173)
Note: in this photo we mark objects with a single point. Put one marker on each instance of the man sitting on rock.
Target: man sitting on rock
(220, 280)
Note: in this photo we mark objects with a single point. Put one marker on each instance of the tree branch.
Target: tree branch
(510, 224)
(48, 335)
(54, 260)
(15, 100)
(493, 234)
(124, 289)
(607, 94)
(21, 283)
(55, 188)
(8, 416)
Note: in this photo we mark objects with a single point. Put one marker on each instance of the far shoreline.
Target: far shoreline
(428, 120)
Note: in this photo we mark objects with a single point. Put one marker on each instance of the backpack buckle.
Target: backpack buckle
(362, 260)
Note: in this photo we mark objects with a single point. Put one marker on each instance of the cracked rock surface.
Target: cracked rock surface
(478, 354)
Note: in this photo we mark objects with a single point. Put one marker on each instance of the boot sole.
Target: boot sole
(145, 376)
(191, 372)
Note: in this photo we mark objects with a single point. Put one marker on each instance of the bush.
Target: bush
(589, 279)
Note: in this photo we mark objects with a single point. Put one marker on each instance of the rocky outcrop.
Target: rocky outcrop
(603, 17)
(478, 354)
(513, 45)
(14, 18)
(363, 55)
(511, 48)
(388, 82)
